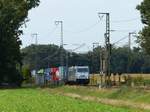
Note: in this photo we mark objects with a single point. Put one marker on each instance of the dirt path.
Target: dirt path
(119, 103)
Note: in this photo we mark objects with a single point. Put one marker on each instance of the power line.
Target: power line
(123, 21)
(53, 30)
(53, 55)
(85, 29)
(95, 24)
(123, 39)
(125, 30)
(82, 45)
(120, 40)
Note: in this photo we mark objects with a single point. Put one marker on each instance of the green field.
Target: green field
(123, 93)
(37, 100)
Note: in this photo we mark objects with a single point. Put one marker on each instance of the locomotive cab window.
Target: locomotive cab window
(82, 70)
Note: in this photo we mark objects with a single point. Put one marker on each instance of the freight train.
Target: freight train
(71, 75)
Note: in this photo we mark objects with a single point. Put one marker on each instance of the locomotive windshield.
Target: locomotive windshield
(82, 70)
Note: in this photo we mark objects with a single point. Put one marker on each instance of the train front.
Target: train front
(82, 74)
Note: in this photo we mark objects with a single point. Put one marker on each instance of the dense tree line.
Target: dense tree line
(43, 56)
(13, 14)
(135, 61)
(144, 37)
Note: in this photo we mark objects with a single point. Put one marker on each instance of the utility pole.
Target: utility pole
(36, 43)
(102, 64)
(107, 49)
(36, 38)
(129, 46)
(61, 42)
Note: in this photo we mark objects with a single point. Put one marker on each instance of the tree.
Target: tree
(119, 60)
(49, 56)
(144, 38)
(13, 14)
(41, 56)
(26, 72)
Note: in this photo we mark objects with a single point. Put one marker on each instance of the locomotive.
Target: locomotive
(78, 75)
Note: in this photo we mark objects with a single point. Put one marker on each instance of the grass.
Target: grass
(35, 100)
(124, 93)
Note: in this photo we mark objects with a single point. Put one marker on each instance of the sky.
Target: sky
(81, 23)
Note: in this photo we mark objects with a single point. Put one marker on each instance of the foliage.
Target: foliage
(26, 72)
(144, 38)
(43, 56)
(119, 60)
(138, 80)
(13, 14)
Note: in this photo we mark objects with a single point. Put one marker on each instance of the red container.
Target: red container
(54, 74)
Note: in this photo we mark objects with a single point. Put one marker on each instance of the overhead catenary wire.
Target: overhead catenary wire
(90, 27)
(124, 30)
(50, 33)
(95, 24)
(126, 20)
(32, 37)
(121, 21)
(83, 30)
(53, 55)
(120, 40)
(53, 30)
(125, 37)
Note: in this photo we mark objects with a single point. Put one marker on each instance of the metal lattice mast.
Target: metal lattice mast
(107, 48)
(36, 45)
(61, 42)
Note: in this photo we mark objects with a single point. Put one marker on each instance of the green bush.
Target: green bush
(26, 74)
(138, 80)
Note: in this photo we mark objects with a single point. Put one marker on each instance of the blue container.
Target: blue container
(47, 75)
